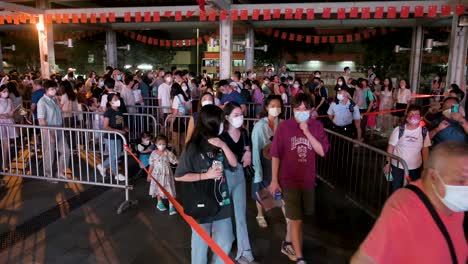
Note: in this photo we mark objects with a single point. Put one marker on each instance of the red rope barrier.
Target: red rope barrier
(192, 223)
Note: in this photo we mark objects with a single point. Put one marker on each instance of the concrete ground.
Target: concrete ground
(41, 222)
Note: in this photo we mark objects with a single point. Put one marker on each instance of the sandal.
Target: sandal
(262, 222)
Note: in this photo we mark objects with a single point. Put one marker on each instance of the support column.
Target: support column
(249, 49)
(46, 47)
(457, 57)
(46, 42)
(225, 54)
(111, 48)
(416, 58)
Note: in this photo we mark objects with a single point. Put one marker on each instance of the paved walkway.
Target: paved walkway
(42, 222)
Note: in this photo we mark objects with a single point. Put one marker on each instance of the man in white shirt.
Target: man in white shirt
(109, 85)
(410, 142)
(164, 94)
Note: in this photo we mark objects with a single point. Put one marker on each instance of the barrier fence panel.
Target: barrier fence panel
(357, 169)
(136, 123)
(159, 112)
(60, 154)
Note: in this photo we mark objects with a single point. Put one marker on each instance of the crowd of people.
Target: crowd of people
(216, 157)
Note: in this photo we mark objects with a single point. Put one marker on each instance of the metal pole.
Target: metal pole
(198, 52)
(416, 58)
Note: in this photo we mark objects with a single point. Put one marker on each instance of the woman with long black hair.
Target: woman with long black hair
(205, 192)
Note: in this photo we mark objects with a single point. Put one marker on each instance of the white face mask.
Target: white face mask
(203, 103)
(455, 196)
(296, 85)
(274, 112)
(340, 83)
(340, 97)
(168, 79)
(116, 103)
(237, 121)
(145, 142)
(221, 129)
(184, 88)
(161, 147)
(5, 94)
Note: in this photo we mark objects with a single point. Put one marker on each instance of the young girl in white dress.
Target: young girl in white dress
(160, 168)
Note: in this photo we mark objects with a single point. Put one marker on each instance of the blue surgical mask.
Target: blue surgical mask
(101, 83)
(302, 116)
(119, 77)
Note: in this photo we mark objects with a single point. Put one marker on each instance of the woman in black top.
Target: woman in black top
(237, 140)
(113, 121)
(202, 168)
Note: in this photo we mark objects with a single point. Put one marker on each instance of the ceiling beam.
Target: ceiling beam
(20, 8)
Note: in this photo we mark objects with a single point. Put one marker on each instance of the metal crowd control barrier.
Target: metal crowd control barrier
(357, 169)
(136, 123)
(159, 112)
(59, 154)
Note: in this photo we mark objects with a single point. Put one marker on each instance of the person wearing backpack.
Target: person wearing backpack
(410, 142)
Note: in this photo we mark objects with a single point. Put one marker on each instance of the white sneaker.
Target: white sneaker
(101, 170)
(120, 177)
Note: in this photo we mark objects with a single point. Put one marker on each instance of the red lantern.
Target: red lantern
(178, 16)
(292, 36)
(276, 13)
(298, 14)
(65, 19)
(156, 16)
(432, 11)
(138, 17)
(202, 15)
(58, 18)
(255, 14)
(189, 14)
(147, 17)
(212, 16)
(288, 13)
(168, 14)
(244, 15)
(324, 39)
(266, 14)
(446, 10)
(310, 13)
(222, 15)
(112, 17)
(404, 12)
(308, 39)
(127, 17)
(103, 18)
(93, 19)
(365, 13)
(379, 10)
(341, 13)
(459, 10)
(391, 12)
(234, 15)
(418, 11)
(354, 12)
(326, 12)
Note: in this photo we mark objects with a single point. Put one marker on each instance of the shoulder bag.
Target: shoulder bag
(437, 220)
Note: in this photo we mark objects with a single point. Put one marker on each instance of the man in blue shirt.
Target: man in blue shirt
(452, 126)
(229, 95)
(37, 94)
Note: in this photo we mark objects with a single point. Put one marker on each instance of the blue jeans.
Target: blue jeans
(114, 145)
(221, 232)
(399, 176)
(236, 184)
